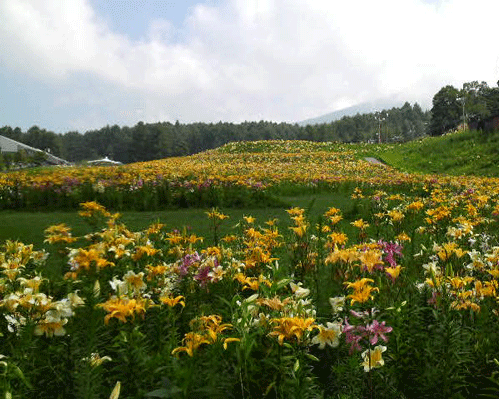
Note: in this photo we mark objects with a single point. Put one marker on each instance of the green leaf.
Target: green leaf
(18, 372)
(312, 357)
(269, 388)
(297, 365)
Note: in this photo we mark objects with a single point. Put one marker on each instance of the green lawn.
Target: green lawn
(28, 227)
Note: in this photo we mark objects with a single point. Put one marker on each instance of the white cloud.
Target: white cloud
(258, 59)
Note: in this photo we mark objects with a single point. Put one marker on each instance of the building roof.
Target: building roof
(8, 145)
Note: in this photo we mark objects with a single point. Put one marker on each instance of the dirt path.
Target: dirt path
(374, 160)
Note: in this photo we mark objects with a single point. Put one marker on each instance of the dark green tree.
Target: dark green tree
(446, 112)
(43, 140)
(74, 147)
(492, 100)
(474, 96)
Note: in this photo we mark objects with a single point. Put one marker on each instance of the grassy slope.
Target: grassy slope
(462, 153)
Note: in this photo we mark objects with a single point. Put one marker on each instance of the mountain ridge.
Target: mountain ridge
(363, 108)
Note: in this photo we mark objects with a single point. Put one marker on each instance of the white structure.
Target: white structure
(104, 162)
(12, 146)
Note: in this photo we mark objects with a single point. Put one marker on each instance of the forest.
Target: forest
(148, 141)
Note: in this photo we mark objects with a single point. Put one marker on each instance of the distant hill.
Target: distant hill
(364, 108)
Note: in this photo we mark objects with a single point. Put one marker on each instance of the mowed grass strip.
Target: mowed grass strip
(28, 227)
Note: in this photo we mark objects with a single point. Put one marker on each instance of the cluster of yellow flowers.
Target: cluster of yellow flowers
(206, 330)
(23, 297)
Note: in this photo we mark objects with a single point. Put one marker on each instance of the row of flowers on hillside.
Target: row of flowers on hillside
(281, 162)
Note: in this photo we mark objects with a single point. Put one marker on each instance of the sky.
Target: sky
(78, 65)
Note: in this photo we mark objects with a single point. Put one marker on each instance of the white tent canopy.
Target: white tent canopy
(104, 161)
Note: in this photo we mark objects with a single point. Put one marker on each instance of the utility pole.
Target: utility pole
(379, 130)
(380, 119)
(464, 114)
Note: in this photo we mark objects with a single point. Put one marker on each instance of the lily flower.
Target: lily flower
(376, 330)
(373, 358)
(328, 335)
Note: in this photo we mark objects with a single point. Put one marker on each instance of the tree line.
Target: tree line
(148, 141)
(473, 105)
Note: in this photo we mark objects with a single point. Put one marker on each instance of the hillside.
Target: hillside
(460, 153)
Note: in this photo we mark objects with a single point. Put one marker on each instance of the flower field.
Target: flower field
(234, 175)
(395, 297)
